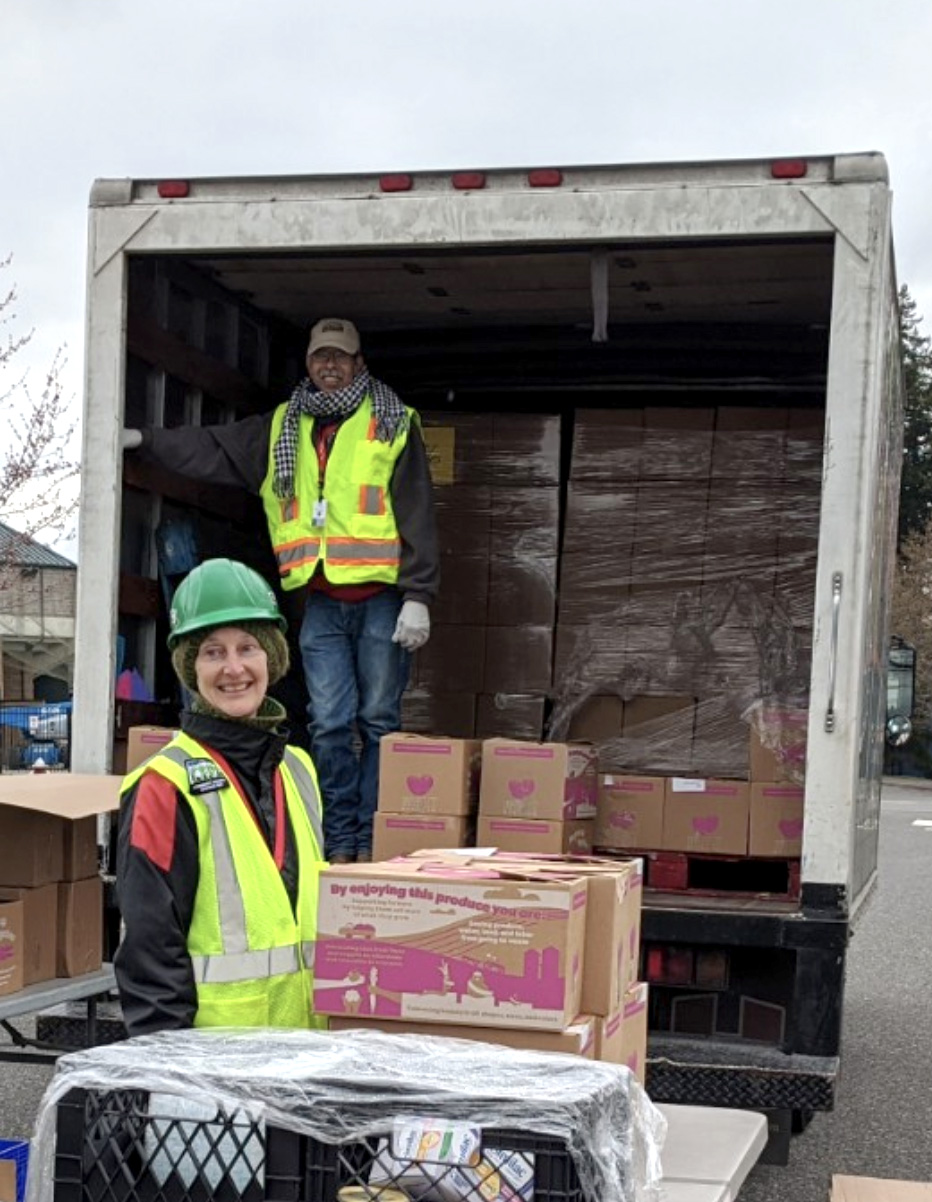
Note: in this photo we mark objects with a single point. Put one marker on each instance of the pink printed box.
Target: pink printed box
(621, 1038)
(630, 814)
(423, 775)
(776, 820)
(546, 781)
(432, 942)
(613, 920)
(706, 816)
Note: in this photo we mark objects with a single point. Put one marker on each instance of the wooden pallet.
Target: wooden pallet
(717, 876)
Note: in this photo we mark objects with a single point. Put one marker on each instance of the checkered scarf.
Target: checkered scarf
(390, 418)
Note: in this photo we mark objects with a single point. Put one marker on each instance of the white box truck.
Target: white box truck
(763, 284)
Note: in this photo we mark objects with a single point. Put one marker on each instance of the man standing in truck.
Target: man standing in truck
(344, 480)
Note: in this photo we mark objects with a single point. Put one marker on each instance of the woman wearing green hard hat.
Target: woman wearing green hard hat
(220, 840)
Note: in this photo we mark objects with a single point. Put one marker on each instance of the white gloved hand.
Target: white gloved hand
(130, 439)
(412, 629)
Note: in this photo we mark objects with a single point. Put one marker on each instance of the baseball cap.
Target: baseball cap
(334, 332)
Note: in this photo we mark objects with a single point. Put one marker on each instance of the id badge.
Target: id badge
(319, 516)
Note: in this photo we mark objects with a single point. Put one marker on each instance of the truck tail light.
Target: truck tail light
(468, 179)
(789, 168)
(173, 189)
(545, 177)
(396, 183)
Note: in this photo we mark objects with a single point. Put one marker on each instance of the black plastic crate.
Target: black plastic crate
(115, 1147)
(541, 1163)
(65, 1025)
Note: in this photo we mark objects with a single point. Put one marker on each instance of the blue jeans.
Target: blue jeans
(355, 677)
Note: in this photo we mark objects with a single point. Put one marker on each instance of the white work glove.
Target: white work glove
(412, 629)
(130, 439)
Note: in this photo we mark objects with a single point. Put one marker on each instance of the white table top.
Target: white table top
(52, 993)
(709, 1148)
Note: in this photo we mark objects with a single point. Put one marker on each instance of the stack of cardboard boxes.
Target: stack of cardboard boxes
(537, 797)
(51, 893)
(687, 582)
(524, 951)
(762, 817)
(487, 667)
(428, 794)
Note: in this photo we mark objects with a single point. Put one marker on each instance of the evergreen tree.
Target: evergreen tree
(916, 487)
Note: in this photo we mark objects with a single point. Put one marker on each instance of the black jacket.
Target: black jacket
(237, 454)
(158, 869)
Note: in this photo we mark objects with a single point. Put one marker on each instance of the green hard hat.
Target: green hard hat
(221, 592)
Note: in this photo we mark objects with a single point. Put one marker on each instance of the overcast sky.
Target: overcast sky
(97, 88)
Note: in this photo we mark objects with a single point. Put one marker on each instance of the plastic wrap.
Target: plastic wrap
(497, 500)
(687, 587)
(352, 1086)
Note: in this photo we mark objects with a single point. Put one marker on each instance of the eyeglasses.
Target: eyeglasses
(329, 355)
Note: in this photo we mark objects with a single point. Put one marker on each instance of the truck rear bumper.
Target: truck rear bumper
(718, 1073)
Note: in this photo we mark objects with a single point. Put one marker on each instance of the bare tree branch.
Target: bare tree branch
(36, 462)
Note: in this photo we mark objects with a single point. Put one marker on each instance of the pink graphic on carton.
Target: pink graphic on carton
(404, 973)
(705, 824)
(626, 819)
(460, 950)
(420, 785)
(580, 797)
(520, 789)
(790, 828)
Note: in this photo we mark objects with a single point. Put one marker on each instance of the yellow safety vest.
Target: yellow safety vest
(252, 958)
(356, 538)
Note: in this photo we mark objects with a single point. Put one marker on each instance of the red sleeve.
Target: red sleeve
(154, 816)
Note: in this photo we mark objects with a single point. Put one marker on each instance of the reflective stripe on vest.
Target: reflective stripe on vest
(238, 962)
(307, 787)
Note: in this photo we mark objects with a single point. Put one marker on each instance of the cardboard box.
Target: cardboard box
(613, 916)
(776, 826)
(518, 659)
(607, 445)
(401, 834)
(436, 942)
(613, 926)
(35, 811)
(80, 927)
(778, 740)
(536, 835)
(452, 661)
(876, 1189)
(510, 716)
(706, 816)
(423, 775)
(598, 718)
(7, 1181)
(677, 443)
(522, 591)
(630, 812)
(40, 923)
(144, 741)
(578, 1039)
(80, 856)
(555, 781)
(621, 1038)
(11, 946)
(430, 712)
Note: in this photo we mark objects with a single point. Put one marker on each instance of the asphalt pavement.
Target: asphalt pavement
(881, 1123)
(880, 1126)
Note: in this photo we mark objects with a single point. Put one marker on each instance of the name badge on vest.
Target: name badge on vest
(319, 516)
(204, 776)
